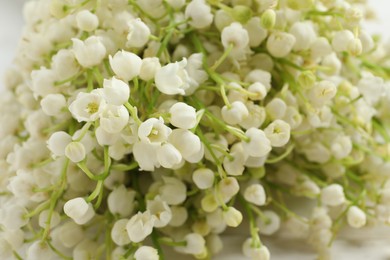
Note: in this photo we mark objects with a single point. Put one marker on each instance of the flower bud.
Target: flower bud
(146, 253)
(341, 40)
(149, 68)
(355, 47)
(268, 19)
(79, 210)
(259, 89)
(276, 108)
(300, 4)
(255, 194)
(121, 201)
(227, 188)
(138, 34)
(356, 217)
(232, 217)
(268, 223)
(58, 142)
(53, 104)
(203, 178)
(179, 216)
(280, 44)
(126, 65)
(260, 253)
(90, 52)
(241, 13)
(75, 151)
(87, 21)
(235, 113)
(168, 156)
(333, 195)
(258, 145)
(195, 244)
(183, 115)
(199, 14)
(119, 233)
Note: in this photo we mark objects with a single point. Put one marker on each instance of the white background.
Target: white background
(10, 29)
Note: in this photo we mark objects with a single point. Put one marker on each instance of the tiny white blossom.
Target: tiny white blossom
(227, 188)
(195, 244)
(79, 210)
(232, 217)
(75, 151)
(146, 156)
(356, 217)
(238, 37)
(154, 131)
(173, 78)
(138, 34)
(183, 115)
(341, 40)
(140, 226)
(149, 68)
(278, 132)
(87, 106)
(235, 113)
(87, 21)
(115, 91)
(168, 156)
(203, 178)
(186, 142)
(121, 201)
(268, 223)
(199, 14)
(126, 65)
(160, 209)
(333, 195)
(304, 35)
(114, 118)
(179, 216)
(90, 52)
(258, 253)
(255, 194)
(258, 145)
(119, 233)
(53, 104)
(146, 253)
(58, 142)
(280, 44)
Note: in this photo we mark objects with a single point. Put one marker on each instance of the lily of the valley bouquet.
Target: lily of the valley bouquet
(131, 125)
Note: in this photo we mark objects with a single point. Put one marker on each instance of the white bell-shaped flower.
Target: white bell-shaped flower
(280, 44)
(168, 156)
(140, 226)
(173, 78)
(160, 209)
(57, 143)
(276, 108)
(138, 34)
(203, 178)
(258, 145)
(154, 131)
(195, 244)
(44, 216)
(42, 82)
(322, 92)
(238, 37)
(341, 40)
(341, 147)
(235, 113)
(259, 89)
(320, 48)
(256, 117)
(79, 210)
(119, 232)
(68, 234)
(114, 118)
(268, 223)
(278, 132)
(87, 21)
(64, 64)
(356, 217)
(121, 201)
(115, 91)
(304, 35)
(227, 188)
(258, 253)
(186, 142)
(333, 195)
(90, 52)
(173, 191)
(146, 156)
(75, 151)
(146, 253)
(199, 14)
(255, 194)
(39, 250)
(149, 68)
(183, 115)
(235, 161)
(87, 106)
(126, 65)
(13, 216)
(232, 217)
(53, 104)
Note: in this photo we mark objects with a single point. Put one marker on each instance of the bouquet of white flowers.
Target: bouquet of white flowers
(132, 125)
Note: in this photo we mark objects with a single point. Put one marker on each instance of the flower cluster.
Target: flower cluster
(131, 125)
